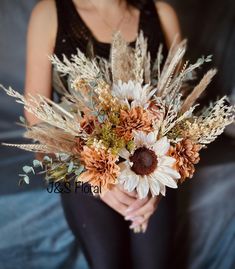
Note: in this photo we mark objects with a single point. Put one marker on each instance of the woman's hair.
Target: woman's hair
(137, 3)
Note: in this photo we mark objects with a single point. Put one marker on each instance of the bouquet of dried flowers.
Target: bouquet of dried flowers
(124, 121)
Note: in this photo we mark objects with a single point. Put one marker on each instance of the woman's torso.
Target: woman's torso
(73, 33)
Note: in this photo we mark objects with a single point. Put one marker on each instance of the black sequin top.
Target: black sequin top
(73, 33)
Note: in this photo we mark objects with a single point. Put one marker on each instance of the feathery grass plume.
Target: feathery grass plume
(84, 75)
(122, 59)
(141, 59)
(53, 138)
(198, 90)
(105, 68)
(30, 147)
(39, 107)
(174, 58)
(207, 126)
(173, 115)
(78, 67)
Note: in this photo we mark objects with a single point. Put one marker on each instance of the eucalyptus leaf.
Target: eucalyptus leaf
(47, 159)
(22, 119)
(79, 170)
(37, 163)
(26, 179)
(70, 168)
(20, 183)
(28, 169)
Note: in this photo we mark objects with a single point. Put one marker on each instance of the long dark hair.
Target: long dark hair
(137, 3)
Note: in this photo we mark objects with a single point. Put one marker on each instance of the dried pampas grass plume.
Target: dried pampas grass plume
(198, 90)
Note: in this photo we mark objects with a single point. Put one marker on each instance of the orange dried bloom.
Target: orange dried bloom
(134, 119)
(88, 124)
(101, 167)
(186, 154)
(78, 145)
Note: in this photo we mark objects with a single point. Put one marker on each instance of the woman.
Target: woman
(102, 225)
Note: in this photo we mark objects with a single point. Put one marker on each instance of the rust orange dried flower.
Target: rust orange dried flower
(186, 154)
(101, 167)
(136, 119)
(78, 145)
(88, 124)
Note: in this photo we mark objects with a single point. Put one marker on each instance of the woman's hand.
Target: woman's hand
(141, 211)
(128, 205)
(119, 199)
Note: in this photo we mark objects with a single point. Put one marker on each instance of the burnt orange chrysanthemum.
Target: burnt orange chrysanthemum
(88, 124)
(186, 154)
(136, 119)
(78, 145)
(101, 167)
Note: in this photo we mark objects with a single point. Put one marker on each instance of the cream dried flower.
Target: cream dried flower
(148, 168)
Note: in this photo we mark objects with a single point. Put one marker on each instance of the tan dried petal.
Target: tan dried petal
(134, 119)
(101, 167)
(88, 124)
(78, 146)
(187, 155)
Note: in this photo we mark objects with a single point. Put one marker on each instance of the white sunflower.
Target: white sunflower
(148, 168)
(133, 94)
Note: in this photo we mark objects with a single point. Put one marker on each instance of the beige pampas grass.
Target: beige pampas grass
(198, 90)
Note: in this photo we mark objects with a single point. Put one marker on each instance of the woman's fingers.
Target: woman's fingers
(132, 194)
(138, 203)
(144, 226)
(112, 202)
(146, 210)
(140, 227)
(123, 197)
(118, 199)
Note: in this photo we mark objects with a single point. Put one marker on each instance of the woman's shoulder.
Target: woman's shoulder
(44, 9)
(169, 20)
(164, 7)
(166, 12)
(43, 19)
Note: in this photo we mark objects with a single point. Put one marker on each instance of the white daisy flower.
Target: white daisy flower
(148, 168)
(133, 94)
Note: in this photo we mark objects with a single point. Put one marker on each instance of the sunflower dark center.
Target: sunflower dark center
(144, 161)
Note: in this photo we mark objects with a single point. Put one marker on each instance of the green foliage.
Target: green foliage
(25, 178)
(110, 138)
(37, 163)
(22, 120)
(70, 167)
(79, 170)
(130, 145)
(28, 169)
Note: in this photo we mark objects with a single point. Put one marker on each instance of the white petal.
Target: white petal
(123, 166)
(131, 183)
(124, 153)
(154, 187)
(169, 171)
(165, 179)
(150, 139)
(139, 138)
(161, 147)
(143, 187)
(166, 161)
(162, 189)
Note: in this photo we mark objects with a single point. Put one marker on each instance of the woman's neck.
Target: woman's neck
(102, 5)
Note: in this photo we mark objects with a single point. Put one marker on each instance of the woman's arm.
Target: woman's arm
(169, 22)
(40, 44)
